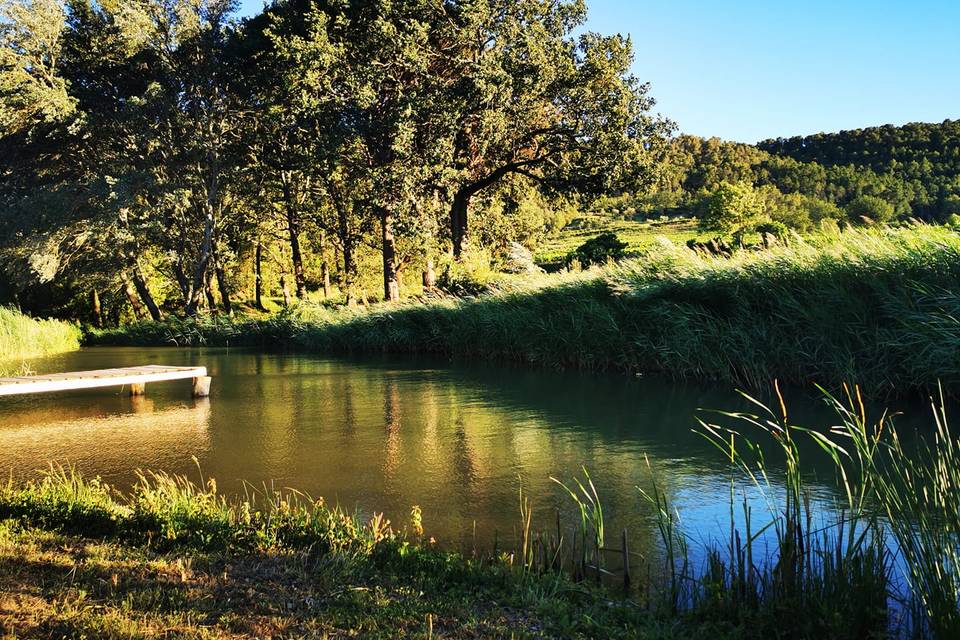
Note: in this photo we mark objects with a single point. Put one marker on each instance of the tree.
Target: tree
(520, 95)
(364, 71)
(732, 208)
(870, 208)
(31, 88)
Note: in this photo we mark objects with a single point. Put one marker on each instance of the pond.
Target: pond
(378, 434)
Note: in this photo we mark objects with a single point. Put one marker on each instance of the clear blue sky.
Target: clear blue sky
(750, 69)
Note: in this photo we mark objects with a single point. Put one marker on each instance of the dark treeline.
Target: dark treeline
(162, 156)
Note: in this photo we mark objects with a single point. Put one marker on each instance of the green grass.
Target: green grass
(24, 337)
(174, 557)
(878, 306)
(639, 235)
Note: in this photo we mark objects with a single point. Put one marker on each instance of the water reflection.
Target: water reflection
(136, 434)
(456, 440)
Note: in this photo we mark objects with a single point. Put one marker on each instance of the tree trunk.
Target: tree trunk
(200, 276)
(208, 291)
(293, 228)
(458, 221)
(391, 286)
(299, 279)
(211, 209)
(96, 308)
(324, 267)
(349, 261)
(285, 289)
(224, 287)
(144, 291)
(131, 293)
(182, 281)
(258, 277)
(429, 275)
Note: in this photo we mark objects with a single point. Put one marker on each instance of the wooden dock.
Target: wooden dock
(134, 377)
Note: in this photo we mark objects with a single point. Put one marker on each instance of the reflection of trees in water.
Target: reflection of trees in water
(391, 420)
(430, 451)
(348, 424)
(464, 458)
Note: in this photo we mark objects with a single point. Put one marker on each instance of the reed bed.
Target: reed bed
(24, 337)
(880, 306)
(881, 560)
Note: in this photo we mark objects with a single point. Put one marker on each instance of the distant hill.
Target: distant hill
(916, 167)
(924, 157)
(879, 148)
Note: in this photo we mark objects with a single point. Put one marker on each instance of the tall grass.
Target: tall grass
(24, 337)
(918, 490)
(882, 559)
(832, 565)
(172, 511)
(880, 306)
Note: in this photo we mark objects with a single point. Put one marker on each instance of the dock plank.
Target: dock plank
(97, 378)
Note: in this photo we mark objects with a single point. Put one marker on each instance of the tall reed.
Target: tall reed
(24, 337)
(918, 490)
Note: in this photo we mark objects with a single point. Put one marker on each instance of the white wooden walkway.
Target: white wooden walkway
(134, 377)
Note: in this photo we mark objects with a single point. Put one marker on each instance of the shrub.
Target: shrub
(599, 250)
(870, 208)
(732, 208)
(774, 228)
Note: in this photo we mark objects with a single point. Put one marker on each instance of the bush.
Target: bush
(870, 208)
(774, 228)
(599, 250)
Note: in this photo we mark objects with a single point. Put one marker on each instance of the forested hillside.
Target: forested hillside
(881, 174)
(924, 158)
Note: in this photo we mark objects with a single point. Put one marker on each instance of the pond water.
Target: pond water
(384, 434)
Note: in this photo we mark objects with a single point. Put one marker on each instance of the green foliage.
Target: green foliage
(601, 249)
(31, 89)
(24, 337)
(869, 208)
(732, 209)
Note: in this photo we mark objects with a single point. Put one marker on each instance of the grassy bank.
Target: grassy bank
(176, 558)
(24, 337)
(79, 559)
(878, 306)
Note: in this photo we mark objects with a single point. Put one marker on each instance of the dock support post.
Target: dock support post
(138, 389)
(201, 386)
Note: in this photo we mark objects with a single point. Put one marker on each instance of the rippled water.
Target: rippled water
(378, 434)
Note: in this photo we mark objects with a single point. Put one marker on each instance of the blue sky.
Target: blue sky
(748, 70)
